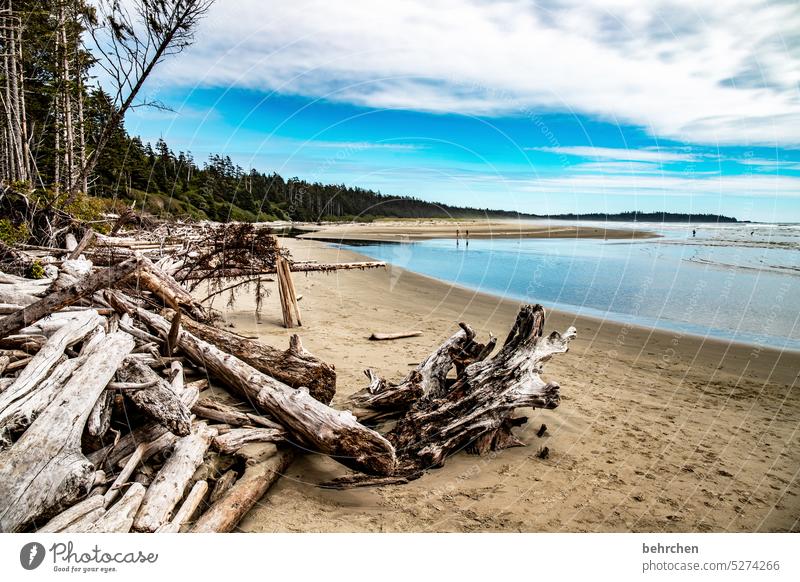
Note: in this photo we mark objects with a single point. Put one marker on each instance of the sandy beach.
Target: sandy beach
(405, 230)
(656, 431)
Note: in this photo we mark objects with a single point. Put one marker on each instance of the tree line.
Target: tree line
(62, 133)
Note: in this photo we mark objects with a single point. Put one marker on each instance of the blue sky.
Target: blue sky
(537, 107)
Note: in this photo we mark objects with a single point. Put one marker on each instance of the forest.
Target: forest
(71, 70)
(63, 133)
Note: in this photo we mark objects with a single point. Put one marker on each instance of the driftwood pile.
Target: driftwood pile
(124, 408)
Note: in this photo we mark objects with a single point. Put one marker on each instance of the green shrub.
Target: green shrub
(13, 234)
(36, 270)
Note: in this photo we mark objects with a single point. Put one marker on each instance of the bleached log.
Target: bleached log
(72, 515)
(140, 455)
(71, 271)
(99, 420)
(111, 455)
(295, 366)
(169, 290)
(221, 412)
(78, 327)
(477, 410)
(265, 463)
(167, 489)
(67, 296)
(84, 524)
(22, 412)
(382, 399)
(319, 427)
(233, 440)
(119, 517)
(4, 362)
(188, 509)
(45, 471)
(158, 401)
(81, 246)
(71, 243)
(176, 375)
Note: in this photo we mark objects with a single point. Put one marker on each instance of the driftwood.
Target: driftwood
(158, 400)
(393, 336)
(288, 296)
(119, 518)
(477, 410)
(382, 400)
(309, 422)
(294, 366)
(233, 440)
(67, 296)
(166, 490)
(99, 420)
(45, 471)
(81, 246)
(295, 267)
(224, 413)
(80, 325)
(264, 465)
(188, 509)
(72, 515)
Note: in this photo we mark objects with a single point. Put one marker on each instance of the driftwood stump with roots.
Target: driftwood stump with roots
(475, 411)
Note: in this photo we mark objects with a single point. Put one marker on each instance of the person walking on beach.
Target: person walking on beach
(694, 232)
(466, 237)
(457, 235)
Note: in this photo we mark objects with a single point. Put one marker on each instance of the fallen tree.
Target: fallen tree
(476, 411)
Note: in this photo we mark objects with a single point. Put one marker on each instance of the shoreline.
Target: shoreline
(656, 431)
(405, 231)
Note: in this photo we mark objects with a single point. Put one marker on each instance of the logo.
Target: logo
(31, 555)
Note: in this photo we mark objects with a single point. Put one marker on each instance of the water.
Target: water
(737, 282)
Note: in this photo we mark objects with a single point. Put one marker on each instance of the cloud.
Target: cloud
(698, 71)
(755, 186)
(620, 154)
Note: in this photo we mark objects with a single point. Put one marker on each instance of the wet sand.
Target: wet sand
(387, 230)
(656, 431)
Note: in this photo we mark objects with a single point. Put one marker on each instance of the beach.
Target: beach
(656, 431)
(414, 230)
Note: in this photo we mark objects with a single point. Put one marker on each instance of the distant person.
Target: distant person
(752, 232)
(466, 238)
(694, 233)
(458, 232)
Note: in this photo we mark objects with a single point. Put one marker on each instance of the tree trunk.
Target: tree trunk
(311, 423)
(45, 470)
(477, 410)
(159, 401)
(167, 489)
(382, 400)
(119, 518)
(233, 440)
(294, 366)
(265, 464)
(188, 509)
(67, 296)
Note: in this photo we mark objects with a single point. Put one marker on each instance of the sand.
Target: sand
(402, 230)
(656, 431)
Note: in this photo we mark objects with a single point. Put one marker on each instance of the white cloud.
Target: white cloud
(700, 71)
(759, 186)
(620, 154)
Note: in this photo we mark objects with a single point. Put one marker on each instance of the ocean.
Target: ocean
(737, 282)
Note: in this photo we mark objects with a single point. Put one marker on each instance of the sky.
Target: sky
(545, 107)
